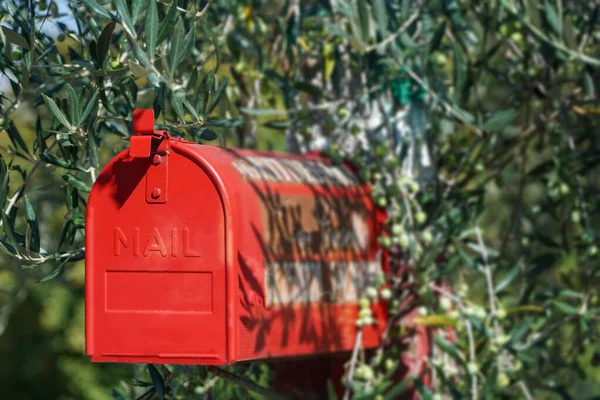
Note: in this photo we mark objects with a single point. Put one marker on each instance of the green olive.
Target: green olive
(17, 54)
(342, 112)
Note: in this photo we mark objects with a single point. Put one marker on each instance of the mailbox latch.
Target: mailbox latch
(156, 176)
(148, 143)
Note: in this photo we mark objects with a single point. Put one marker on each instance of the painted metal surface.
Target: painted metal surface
(206, 255)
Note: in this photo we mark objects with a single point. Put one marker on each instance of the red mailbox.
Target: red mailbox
(205, 255)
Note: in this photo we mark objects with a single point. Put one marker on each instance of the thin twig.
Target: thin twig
(470, 337)
(394, 35)
(444, 103)
(525, 390)
(353, 360)
(487, 271)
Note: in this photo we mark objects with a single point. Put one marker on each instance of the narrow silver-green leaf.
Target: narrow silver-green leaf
(97, 8)
(588, 84)
(500, 120)
(137, 9)
(570, 38)
(176, 47)
(460, 73)
(141, 57)
(73, 103)
(564, 307)
(553, 18)
(53, 274)
(15, 38)
(508, 278)
(157, 381)
(225, 123)
(88, 108)
(34, 228)
(136, 69)
(57, 112)
(190, 108)
(167, 23)
(125, 17)
(151, 29)
(76, 183)
(4, 182)
(188, 43)
(450, 349)
(262, 111)
(177, 104)
(16, 137)
(380, 13)
(364, 15)
(398, 389)
(104, 43)
(217, 95)
(208, 33)
(534, 13)
(10, 231)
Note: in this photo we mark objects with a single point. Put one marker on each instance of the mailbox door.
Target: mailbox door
(156, 271)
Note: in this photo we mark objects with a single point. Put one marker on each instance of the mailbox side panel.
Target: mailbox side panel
(309, 304)
(305, 248)
(155, 272)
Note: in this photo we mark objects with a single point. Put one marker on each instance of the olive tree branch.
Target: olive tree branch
(353, 361)
(245, 383)
(554, 43)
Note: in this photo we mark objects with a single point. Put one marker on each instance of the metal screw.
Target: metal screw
(155, 193)
(157, 159)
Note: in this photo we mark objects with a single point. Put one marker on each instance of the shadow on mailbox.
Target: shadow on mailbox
(317, 250)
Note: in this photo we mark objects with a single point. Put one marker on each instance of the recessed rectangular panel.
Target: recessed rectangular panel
(159, 291)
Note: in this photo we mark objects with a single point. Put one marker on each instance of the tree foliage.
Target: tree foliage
(476, 123)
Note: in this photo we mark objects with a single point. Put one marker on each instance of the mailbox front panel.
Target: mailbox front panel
(155, 270)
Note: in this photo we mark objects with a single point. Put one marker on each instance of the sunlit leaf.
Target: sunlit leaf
(57, 112)
(435, 320)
